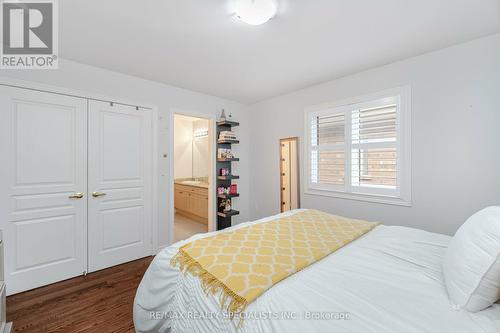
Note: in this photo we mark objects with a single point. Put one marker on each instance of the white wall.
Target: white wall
(456, 137)
(201, 158)
(183, 147)
(73, 75)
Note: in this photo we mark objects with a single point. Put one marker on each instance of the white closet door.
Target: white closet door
(120, 173)
(44, 168)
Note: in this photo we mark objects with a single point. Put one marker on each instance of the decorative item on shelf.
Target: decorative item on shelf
(233, 189)
(224, 172)
(222, 116)
(221, 190)
(227, 135)
(225, 205)
(224, 153)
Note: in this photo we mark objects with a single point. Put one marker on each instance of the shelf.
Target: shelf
(225, 142)
(224, 218)
(228, 196)
(235, 159)
(228, 177)
(232, 212)
(228, 123)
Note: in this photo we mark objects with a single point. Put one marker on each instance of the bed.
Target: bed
(389, 280)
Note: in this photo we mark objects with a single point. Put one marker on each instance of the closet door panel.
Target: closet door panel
(43, 185)
(294, 174)
(120, 171)
(285, 175)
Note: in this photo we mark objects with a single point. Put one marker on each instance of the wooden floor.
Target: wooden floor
(100, 302)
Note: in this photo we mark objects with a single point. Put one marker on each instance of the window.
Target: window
(360, 149)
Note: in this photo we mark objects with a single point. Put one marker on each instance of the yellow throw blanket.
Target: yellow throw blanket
(244, 263)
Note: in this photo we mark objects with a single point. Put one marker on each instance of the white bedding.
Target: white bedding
(388, 281)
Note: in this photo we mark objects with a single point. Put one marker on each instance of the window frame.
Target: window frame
(400, 96)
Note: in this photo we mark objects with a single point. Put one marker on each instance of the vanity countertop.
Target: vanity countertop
(201, 184)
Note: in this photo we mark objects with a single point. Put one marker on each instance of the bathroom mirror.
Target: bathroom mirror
(200, 151)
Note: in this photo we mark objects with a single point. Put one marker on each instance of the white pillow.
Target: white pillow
(471, 265)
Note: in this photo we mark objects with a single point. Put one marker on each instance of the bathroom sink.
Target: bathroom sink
(191, 182)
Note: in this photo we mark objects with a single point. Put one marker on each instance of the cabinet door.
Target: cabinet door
(181, 200)
(43, 185)
(198, 205)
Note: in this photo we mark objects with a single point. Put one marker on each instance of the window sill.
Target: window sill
(381, 199)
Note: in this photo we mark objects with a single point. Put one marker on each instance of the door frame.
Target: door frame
(297, 140)
(53, 89)
(212, 130)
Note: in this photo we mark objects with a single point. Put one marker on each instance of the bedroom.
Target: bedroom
(394, 107)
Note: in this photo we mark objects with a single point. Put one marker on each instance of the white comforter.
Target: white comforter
(388, 281)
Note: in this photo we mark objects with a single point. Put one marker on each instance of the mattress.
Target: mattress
(389, 280)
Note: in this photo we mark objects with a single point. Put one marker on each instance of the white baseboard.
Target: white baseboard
(7, 328)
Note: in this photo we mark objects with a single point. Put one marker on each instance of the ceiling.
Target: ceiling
(200, 45)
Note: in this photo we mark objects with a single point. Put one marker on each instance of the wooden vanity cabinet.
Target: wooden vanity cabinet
(192, 202)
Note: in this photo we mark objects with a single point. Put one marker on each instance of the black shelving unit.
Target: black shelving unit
(227, 215)
(224, 218)
(228, 141)
(235, 159)
(228, 196)
(228, 123)
(228, 177)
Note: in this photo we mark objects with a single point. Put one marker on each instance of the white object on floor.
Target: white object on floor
(471, 266)
(389, 281)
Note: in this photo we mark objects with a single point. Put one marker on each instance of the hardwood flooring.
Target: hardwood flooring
(100, 302)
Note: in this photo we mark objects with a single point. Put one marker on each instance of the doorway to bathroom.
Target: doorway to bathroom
(192, 193)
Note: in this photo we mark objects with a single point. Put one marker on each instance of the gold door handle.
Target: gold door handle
(77, 195)
(98, 194)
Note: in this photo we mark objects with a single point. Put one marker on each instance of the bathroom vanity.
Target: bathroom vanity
(191, 199)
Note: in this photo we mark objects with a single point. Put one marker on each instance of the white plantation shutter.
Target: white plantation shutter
(328, 149)
(374, 148)
(356, 148)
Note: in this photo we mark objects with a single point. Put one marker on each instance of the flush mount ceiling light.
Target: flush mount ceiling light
(255, 12)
